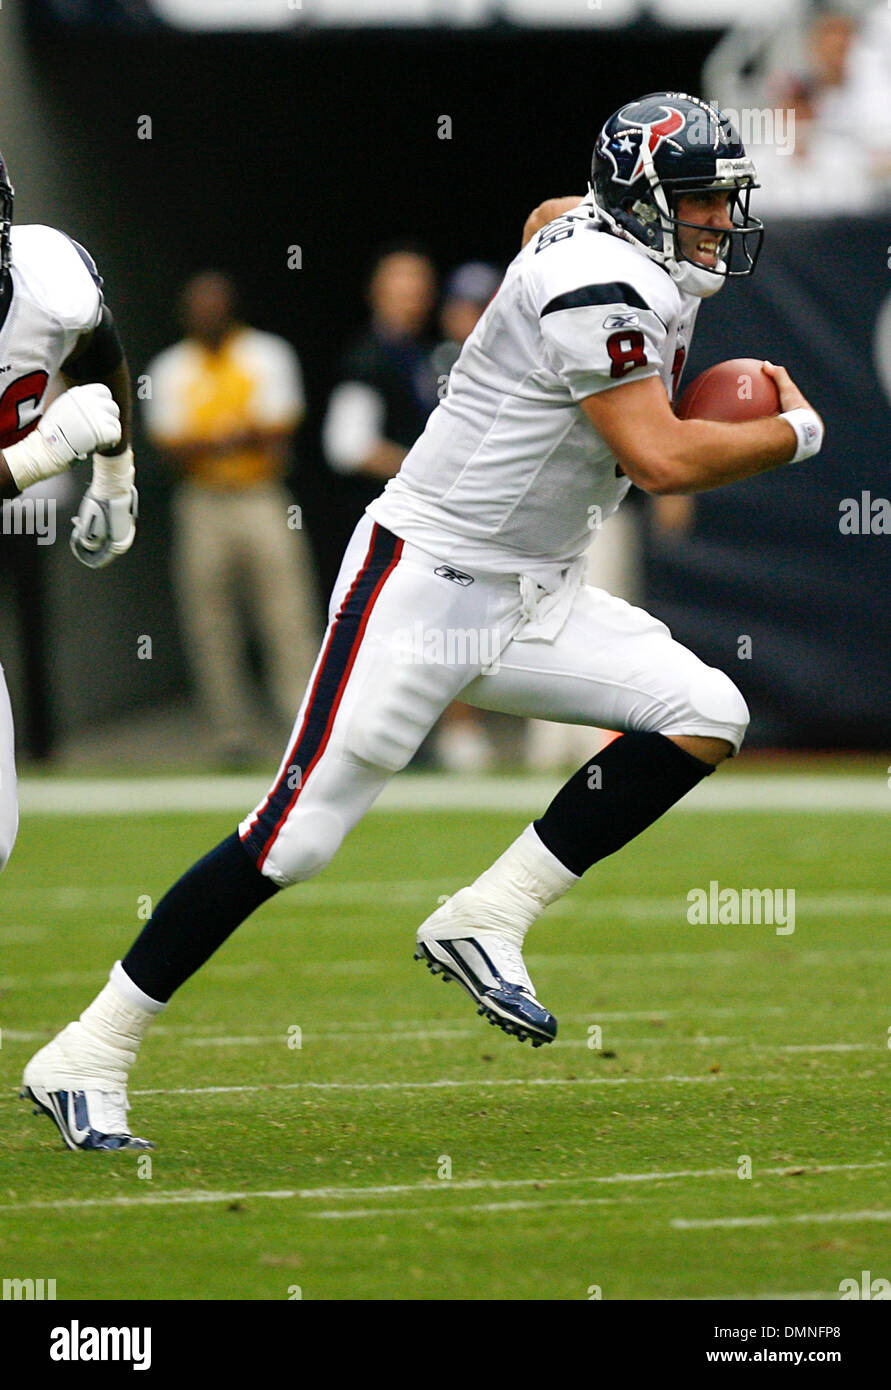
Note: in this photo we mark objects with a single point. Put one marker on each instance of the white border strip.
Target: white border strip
(816, 792)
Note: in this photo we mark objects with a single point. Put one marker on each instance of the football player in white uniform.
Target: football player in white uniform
(465, 578)
(54, 321)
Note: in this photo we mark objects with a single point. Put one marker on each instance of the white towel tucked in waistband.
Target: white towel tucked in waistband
(545, 610)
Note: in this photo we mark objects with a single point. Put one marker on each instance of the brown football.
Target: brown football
(729, 391)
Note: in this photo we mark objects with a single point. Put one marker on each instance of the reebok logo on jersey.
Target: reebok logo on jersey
(446, 572)
(621, 320)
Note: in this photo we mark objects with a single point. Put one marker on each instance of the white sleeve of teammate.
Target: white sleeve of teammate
(353, 425)
(278, 400)
(76, 286)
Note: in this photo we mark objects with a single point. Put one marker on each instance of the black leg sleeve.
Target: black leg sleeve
(616, 796)
(195, 917)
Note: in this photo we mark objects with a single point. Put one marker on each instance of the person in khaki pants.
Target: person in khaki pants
(225, 404)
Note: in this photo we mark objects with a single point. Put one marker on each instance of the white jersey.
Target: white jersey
(56, 298)
(509, 475)
(51, 298)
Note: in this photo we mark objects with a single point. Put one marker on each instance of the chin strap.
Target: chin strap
(659, 198)
(695, 279)
(691, 278)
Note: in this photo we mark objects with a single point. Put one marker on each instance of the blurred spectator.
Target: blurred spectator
(462, 744)
(387, 387)
(225, 404)
(836, 157)
(865, 97)
(467, 292)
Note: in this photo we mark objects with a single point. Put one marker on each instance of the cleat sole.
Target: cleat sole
(495, 1019)
(41, 1108)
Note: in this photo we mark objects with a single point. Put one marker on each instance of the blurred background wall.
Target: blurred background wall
(329, 139)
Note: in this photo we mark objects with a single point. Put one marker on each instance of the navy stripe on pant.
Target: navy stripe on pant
(342, 645)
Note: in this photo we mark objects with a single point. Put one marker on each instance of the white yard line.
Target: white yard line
(105, 898)
(151, 795)
(443, 1084)
(338, 1214)
(315, 1194)
(426, 1186)
(799, 1218)
(752, 936)
(404, 1027)
(447, 1034)
(807, 1296)
(399, 1027)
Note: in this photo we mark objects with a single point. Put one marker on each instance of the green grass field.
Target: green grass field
(406, 1150)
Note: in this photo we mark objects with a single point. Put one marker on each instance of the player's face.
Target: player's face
(459, 318)
(208, 301)
(710, 215)
(402, 291)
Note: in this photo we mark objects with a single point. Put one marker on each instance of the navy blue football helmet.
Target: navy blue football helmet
(7, 194)
(652, 151)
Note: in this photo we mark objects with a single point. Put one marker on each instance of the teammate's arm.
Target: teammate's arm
(545, 213)
(99, 356)
(353, 435)
(78, 422)
(384, 460)
(663, 454)
(104, 526)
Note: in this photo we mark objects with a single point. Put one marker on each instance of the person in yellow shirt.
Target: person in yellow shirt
(223, 409)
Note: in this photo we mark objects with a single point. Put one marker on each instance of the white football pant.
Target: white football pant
(408, 634)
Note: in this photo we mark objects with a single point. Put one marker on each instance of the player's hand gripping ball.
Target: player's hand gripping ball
(730, 391)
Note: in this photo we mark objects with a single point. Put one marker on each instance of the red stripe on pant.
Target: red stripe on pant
(310, 711)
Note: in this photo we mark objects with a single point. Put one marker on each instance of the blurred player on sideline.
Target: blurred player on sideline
(54, 321)
(386, 387)
(225, 405)
(560, 399)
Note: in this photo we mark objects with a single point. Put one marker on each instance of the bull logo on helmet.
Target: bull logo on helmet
(649, 135)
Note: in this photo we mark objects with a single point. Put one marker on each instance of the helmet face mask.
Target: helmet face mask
(739, 246)
(657, 150)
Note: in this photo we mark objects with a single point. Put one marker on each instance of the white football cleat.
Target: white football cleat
(87, 1102)
(489, 965)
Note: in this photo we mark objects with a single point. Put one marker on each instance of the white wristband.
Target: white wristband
(808, 429)
(33, 459)
(113, 475)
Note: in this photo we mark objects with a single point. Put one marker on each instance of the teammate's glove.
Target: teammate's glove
(80, 420)
(105, 524)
